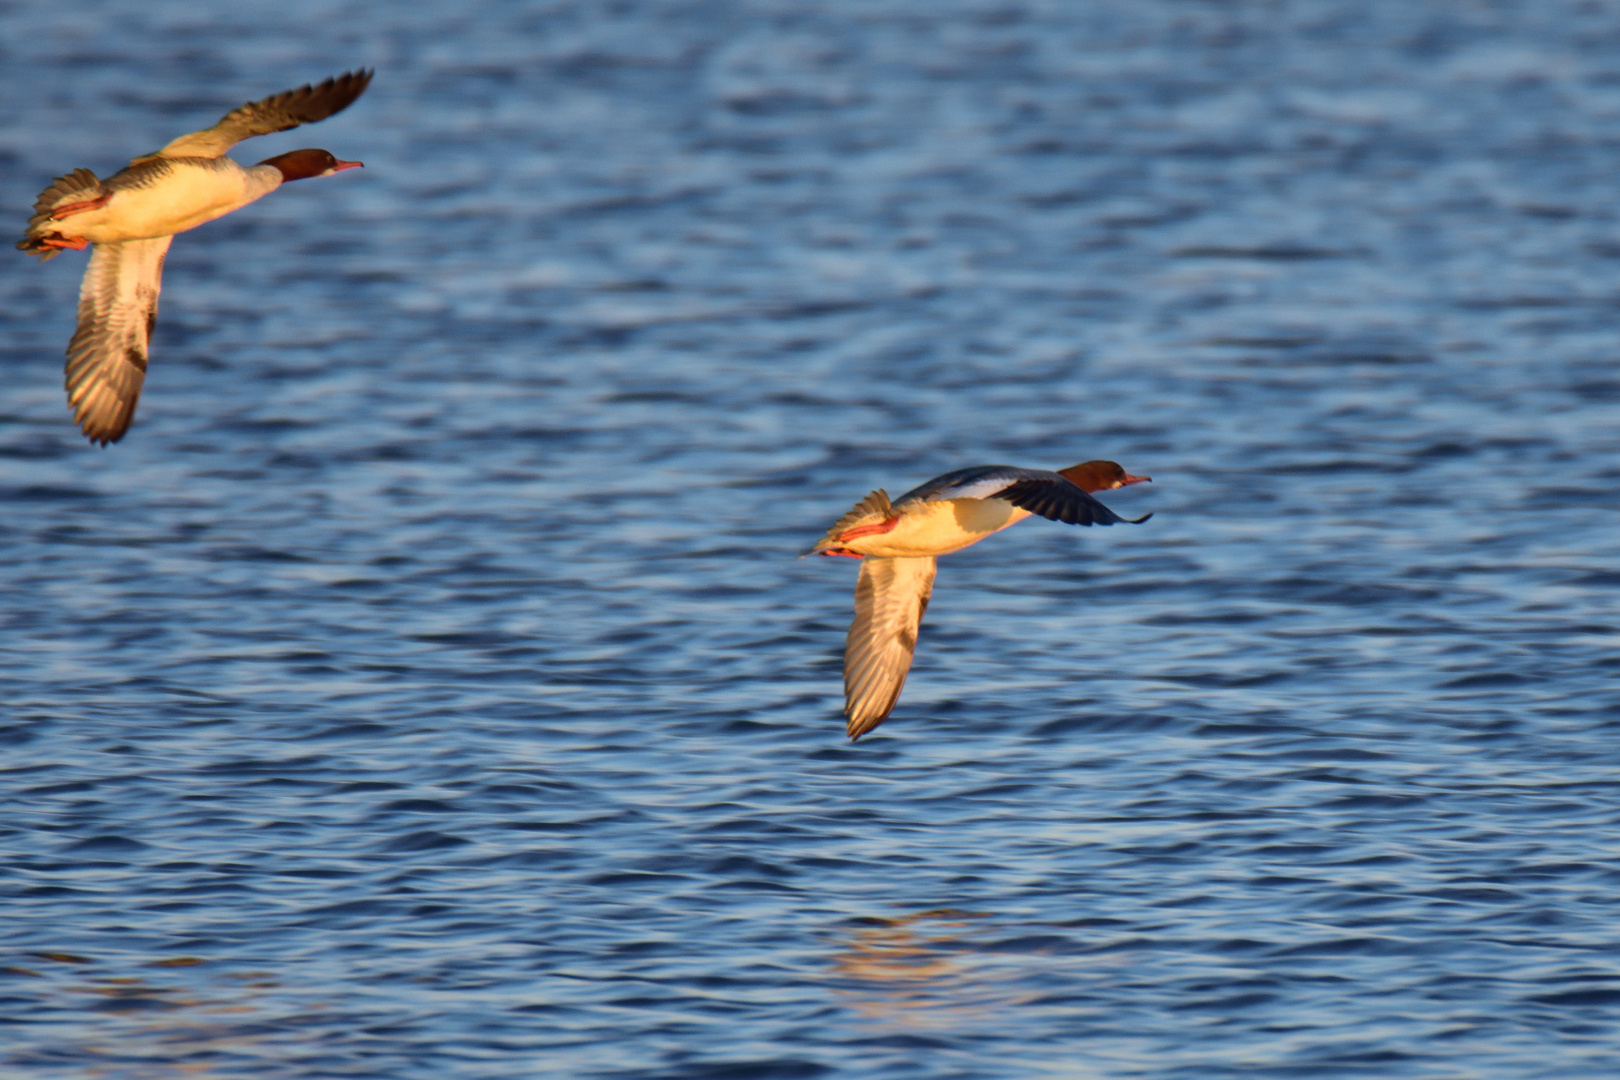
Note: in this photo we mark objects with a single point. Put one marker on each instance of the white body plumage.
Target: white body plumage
(171, 195)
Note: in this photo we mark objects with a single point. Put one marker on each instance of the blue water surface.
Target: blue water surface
(426, 688)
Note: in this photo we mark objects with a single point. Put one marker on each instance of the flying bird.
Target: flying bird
(898, 543)
(132, 216)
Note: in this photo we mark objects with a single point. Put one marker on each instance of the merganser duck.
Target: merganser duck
(132, 216)
(899, 541)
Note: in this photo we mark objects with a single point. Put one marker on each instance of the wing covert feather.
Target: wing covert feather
(890, 598)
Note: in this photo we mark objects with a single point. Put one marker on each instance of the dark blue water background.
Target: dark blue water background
(426, 687)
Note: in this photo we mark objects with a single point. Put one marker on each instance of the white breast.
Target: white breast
(192, 191)
(938, 528)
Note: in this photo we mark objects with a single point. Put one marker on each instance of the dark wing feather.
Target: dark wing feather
(973, 482)
(1060, 500)
(890, 598)
(106, 360)
(280, 112)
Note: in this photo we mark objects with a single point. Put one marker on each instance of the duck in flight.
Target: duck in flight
(132, 216)
(898, 542)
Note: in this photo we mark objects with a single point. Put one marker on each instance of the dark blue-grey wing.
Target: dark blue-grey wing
(1060, 500)
(974, 482)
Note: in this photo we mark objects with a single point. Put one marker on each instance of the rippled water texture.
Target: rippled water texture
(427, 688)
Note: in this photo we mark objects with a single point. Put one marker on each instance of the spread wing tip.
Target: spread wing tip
(855, 728)
(1061, 500)
(307, 104)
(103, 437)
(102, 413)
(314, 102)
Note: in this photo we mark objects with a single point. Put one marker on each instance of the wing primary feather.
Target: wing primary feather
(891, 596)
(307, 104)
(1060, 500)
(107, 358)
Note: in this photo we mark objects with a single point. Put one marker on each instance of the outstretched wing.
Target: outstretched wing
(106, 360)
(973, 482)
(281, 112)
(1056, 497)
(1049, 494)
(890, 598)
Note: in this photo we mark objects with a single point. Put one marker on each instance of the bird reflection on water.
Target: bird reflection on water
(918, 970)
(154, 1023)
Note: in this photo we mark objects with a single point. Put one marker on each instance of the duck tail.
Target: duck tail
(875, 507)
(80, 185)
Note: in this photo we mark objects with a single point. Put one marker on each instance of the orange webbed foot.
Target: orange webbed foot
(64, 243)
